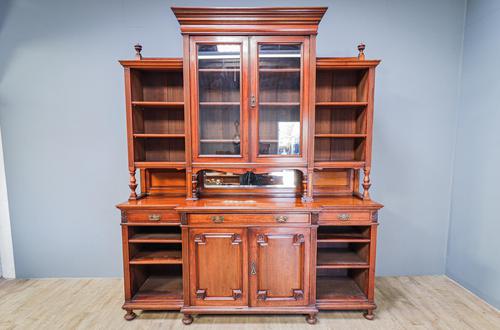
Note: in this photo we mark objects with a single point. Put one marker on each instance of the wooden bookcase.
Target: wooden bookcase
(245, 150)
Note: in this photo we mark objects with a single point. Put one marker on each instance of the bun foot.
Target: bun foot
(187, 319)
(369, 314)
(130, 315)
(311, 318)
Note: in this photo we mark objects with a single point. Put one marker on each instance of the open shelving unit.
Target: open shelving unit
(155, 264)
(343, 263)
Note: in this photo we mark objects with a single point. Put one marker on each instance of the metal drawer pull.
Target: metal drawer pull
(344, 216)
(253, 271)
(217, 218)
(281, 218)
(154, 217)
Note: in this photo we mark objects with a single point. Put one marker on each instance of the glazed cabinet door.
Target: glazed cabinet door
(279, 94)
(218, 79)
(218, 267)
(279, 266)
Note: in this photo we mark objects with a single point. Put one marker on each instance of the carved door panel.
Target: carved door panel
(218, 267)
(279, 266)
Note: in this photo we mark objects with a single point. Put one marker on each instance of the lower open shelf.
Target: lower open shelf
(160, 288)
(338, 288)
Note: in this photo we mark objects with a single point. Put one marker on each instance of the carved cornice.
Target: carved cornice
(241, 20)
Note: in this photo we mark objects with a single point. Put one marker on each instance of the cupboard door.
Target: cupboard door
(218, 78)
(218, 267)
(280, 77)
(279, 266)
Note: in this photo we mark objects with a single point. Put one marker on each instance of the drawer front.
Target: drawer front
(254, 219)
(151, 217)
(345, 216)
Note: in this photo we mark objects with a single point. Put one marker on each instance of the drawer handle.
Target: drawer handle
(344, 216)
(154, 217)
(217, 218)
(281, 218)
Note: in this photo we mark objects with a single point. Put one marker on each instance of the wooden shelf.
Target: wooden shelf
(157, 104)
(279, 104)
(160, 288)
(341, 104)
(219, 70)
(340, 258)
(158, 135)
(160, 164)
(283, 70)
(218, 141)
(340, 135)
(338, 164)
(214, 104)
(338, 288)
(156, 238)
(268, 141)
(342, 238)
(161, 257)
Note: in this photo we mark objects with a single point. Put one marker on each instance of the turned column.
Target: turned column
(366, 183)
(132, 184)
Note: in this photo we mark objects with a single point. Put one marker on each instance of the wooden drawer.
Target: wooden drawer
(151, 217)
(345, 216)
(254, 219)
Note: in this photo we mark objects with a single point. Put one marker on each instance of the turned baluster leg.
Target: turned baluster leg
(130, 315)
(366, 183)
(369, 314)
(132, 184)
(311, 318)
(194, 185)
(187, 319)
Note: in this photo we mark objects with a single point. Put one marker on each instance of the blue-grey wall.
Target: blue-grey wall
(63, 123)
(474, 241)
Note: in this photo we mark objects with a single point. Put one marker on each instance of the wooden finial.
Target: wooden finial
(361, 49)
(138, 49)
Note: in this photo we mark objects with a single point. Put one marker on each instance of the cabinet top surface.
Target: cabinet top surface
(256, 204)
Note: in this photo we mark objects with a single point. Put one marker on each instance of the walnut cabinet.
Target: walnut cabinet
(249, 164)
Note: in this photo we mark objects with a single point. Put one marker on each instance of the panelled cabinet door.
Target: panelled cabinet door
(218, 80)
(279, 266)
(218, 267)
(279, 86)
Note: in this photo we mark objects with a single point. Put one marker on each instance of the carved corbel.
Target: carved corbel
(298, 239)
(262, 240)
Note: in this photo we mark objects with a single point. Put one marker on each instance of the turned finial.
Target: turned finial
(361, 49)
(138, 49)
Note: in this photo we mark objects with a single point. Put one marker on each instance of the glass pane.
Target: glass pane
(225, 180)
(279, 99)
(219, 99)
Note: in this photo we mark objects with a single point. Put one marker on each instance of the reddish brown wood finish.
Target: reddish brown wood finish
(260, 251)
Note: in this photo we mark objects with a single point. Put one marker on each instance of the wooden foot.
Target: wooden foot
(369, 314)
(311, 318)
(187, 319)
(130, 315)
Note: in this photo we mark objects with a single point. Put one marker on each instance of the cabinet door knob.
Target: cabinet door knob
(281, 218)
(344, 216)
(217, 218)
(253, 270)
(154, 217)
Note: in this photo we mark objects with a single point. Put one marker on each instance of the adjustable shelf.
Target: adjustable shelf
(158, 135)
(337, 135)
(341, 104)
(155, 238)
(157, 257)
(340, 258)
(157, 104)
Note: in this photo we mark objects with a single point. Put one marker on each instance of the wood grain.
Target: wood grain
(424, 302)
